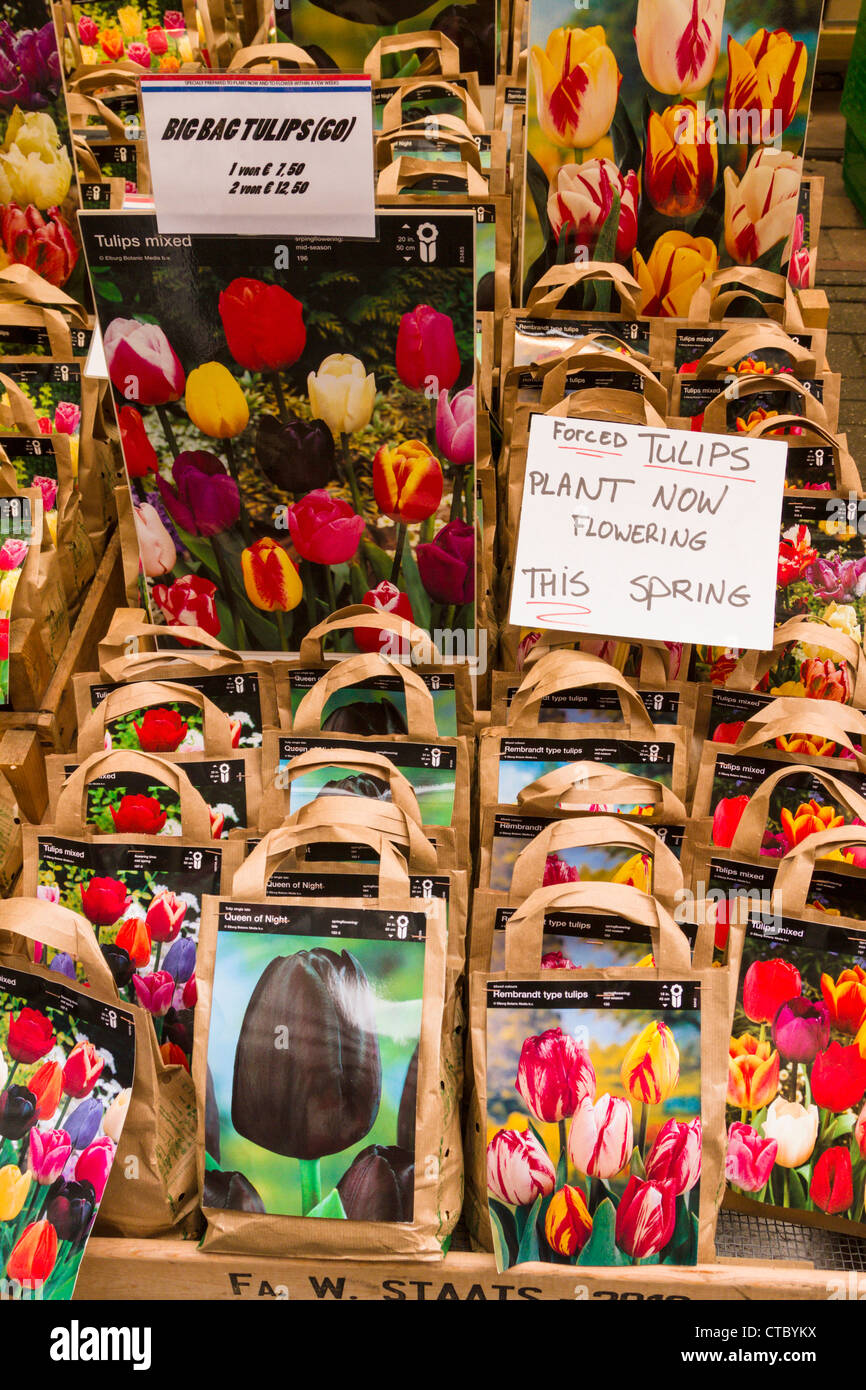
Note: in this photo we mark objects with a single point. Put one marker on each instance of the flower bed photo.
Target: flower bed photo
(295, 439)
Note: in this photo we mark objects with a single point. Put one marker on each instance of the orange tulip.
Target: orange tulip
(812, 744)
(753, 1073)
(808, 819)
(846, 999)
(134, 938)
(34, 1254)
(407, 481)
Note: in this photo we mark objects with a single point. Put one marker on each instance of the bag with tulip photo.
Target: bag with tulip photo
(430, 781)
(714, 353)
(325, 1080)
(287, 475)
(140, 37)
(751, 400)
(49, 465)
(603, 1114)
(68, 1062)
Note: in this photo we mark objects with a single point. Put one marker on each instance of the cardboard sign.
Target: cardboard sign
(631, 531)
(261, 155)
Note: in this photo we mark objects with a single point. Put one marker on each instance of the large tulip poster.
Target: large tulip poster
(297, 421)
(38, 195)
(594, 1122)
(66, 1070)
(313, 1053)
(797, 1073)
(667, 137)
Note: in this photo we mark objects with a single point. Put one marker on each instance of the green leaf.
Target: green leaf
(381, 561)
(538, 186)
(799, 1193)
(330, 1207)
(601, 1249)
(562, 1169)
(500, 1240)
(528, 1247)
(636, 1166)
(606, 251)
(626, 145)
(842, 1125)
(201, 549)
(418, 596)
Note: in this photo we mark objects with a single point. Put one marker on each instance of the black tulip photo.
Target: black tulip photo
(366, 718)
(297, 456)
(230, 1191)
(69, 1207)
(379, 1185)
(408, 1107)
(17, 1112)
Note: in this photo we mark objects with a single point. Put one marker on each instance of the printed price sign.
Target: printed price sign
(630, 531)
(261, 155)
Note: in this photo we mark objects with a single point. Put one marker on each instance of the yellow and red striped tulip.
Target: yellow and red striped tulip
(678, 43)
(407, 481)
(766, 74)
(761, 206)
(568, 1224)
(676, 267)
(846, 999)
(651, 1065)
(576, 86)
(270, 579)
(682, 160)
(753, 1073)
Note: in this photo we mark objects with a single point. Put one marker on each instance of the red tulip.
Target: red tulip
(427, 355)
(324, 529)
(134, 938)
(832, 1185)
(49, 1152)
(729, 733)
(34, 1254)
(645, 1218)
(156, 40)
(554, 1075)
(768, 985)
(104, 901)
(138, 815)
(139, 454)
(154, 991)
(750, 1158)
(447, 564)
(190, 603)
(726, 817)
(173, 1056)
(88, 30)
(46, 1085)
(846, 999)
(838, 1078)
(555, 960)
(142, 363)
(94, 1165)
(44, 244)
(161, 731)
(30, 1036)
(675, 1157)
(407, 481)
(263, 324)
(387, 598)
(190, 993)
(82, 1071)
(165, 916)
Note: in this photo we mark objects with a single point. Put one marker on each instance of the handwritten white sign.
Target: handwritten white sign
(267, 156)
(630, 531)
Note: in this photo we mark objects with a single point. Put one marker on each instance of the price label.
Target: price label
(288, 155)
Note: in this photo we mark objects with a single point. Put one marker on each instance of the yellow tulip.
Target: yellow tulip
(34, 166)
(14, 1186)
(636, 872)
(676, 267)
(342, 393)
(8, 585)
(270, 578)
(130, 21)
(678, 43)
(766, 76)
(651, 1065)
(576, 86)
(214, 401)
(682, 160)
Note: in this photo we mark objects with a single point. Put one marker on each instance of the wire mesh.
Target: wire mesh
(744, 1236)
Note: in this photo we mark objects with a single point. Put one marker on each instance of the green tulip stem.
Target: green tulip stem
(450, 618)
(398, 553)
(228, 589)
(457, 497)
(744, 1113)
(431, 428)
(309, 591)
(332, 593)
(563, 1145)
(158, 954)
(786, 1189)
(11, 1077)
(235, 472)
(281, 629)
(167, 430)
(58, 1124)
(641, 1133)
(274, 378)
(349, 471)
(596, 1194)
(427, 529)
(311, 1183)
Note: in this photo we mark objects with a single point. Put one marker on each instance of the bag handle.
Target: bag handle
(558, 671)
(392, 112)
(124, 633)
(262, 56)
(524, 931)
(71, 814)
(753, 666)
(465, 147)
(19, 282)
(82, 106)
(715, 415)
(711, 300)
(124, 74)
(20, 408)
(753, 821)
(729, 349)
(606, 403)
(147, 694)
(20, 315)
(655, 657)
(383, 816)
(575, 788)
(585, 831)
(62, 930)
(846, 476)
(554, 374)
(420, 711)
(402, 791)
(794, 874)
(252, 877)
(364, 615)
(555, 283)
(431, 40)
(784, 717)
(406, 171)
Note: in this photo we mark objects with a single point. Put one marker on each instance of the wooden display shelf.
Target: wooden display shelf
(177, 1269)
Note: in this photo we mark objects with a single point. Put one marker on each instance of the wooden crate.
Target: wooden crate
(177, 1269)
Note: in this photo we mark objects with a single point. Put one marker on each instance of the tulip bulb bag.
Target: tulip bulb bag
(604, 1114)
(278, 492)
(140, 35)
(327, 1105)
(67, 1063)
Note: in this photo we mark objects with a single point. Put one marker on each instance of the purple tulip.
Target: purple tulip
(37, 57)
(14, 87)
(801, 1029)
(180, 959)
(204, 499)
(83, 1124)
(447, 564)
(69, 1207)
(63, 964)
(838, 579)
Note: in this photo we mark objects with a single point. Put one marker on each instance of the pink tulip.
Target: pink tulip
(49, 1151)
(67, 418)
(142, 364)
(13, 554)
(455, 426)
(94, 1165)
(48, 488)
(601, 1138)
(750, 1157)
(154, 991)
